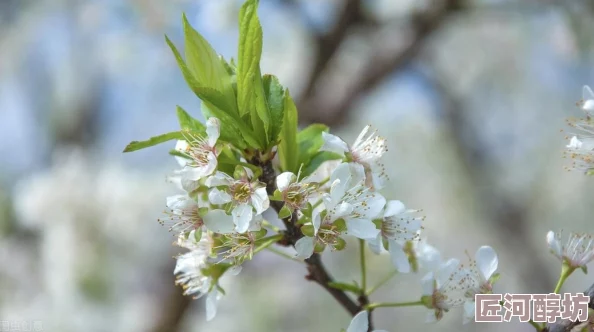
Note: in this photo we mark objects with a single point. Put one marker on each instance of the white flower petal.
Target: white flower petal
(486, 261)
(181, 146)
(218, 179)
(334, 144)
(468, 312)
(446, 270)
(393, 208)
(399, 257)
(427, 284)
(212, 131)
(374, 206)
(359, 323)
(362, 228)
(216, 196)
(305, 247)
(428, 256)
(283, 180)
(357, 173)
(211, 304)
(554, 244)
(316, 222)
(260, 200)
(587, 93)
(242, 216)
(180, 202)
(376, 245)
(218, 221)
(574, 143)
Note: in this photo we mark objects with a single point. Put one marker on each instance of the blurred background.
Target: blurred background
(471, 96)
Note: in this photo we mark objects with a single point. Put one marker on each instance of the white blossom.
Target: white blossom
(577, 252)
(398, 226)
(477, 278)
(360, 323)
(189, 271)
(246, 199)
(366, 151)
(295, 193)
(200, 153)
(182, 214)
(441, 289)
(349, 199)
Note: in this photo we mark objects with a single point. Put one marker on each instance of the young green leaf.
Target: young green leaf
(250, 92)
(215, 104)
(137, 145)
(274, 98)
(205, 65)
(204, 93)
(288, 151)
(187, 122)
(317, 160)
(310, 141)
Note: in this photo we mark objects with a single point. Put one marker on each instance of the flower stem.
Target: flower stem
(566, 271)
(382, 282)
(372, 306)
(266, 242)
(363, 266)
(323, 182)
(535, 325)
(285, 255)
(265, 223)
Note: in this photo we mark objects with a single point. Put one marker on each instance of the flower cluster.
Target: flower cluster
(250, 157)
(218, 218)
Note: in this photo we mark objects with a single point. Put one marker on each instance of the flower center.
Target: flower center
(241, 192)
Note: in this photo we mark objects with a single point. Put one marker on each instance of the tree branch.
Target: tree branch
(377, 68)
(567, 325)
(315, 267)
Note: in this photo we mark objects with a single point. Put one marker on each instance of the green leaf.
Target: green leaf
(288, 151)
(176, 153)
(137, 145)
(275, 99)
(310, 141)
(250, 91)
(317, 160)
(345, 287)
(206, 94)
(205, 65)
(284, 212)
(187, 122)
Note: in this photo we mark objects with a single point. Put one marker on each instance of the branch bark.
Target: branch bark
(377, 68)
(316, 270)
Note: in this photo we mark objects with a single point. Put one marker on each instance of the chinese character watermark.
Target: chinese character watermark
(20, 325)
(540, 308)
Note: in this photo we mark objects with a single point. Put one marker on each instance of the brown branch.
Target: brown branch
(567, 325)
(377, 68)
(315, 267)
(328, 43)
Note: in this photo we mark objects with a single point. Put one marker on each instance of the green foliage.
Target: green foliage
(275, 94)
(204, 63)
(288, 149)
(187, 122)
(250, 90)
(137, 145)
